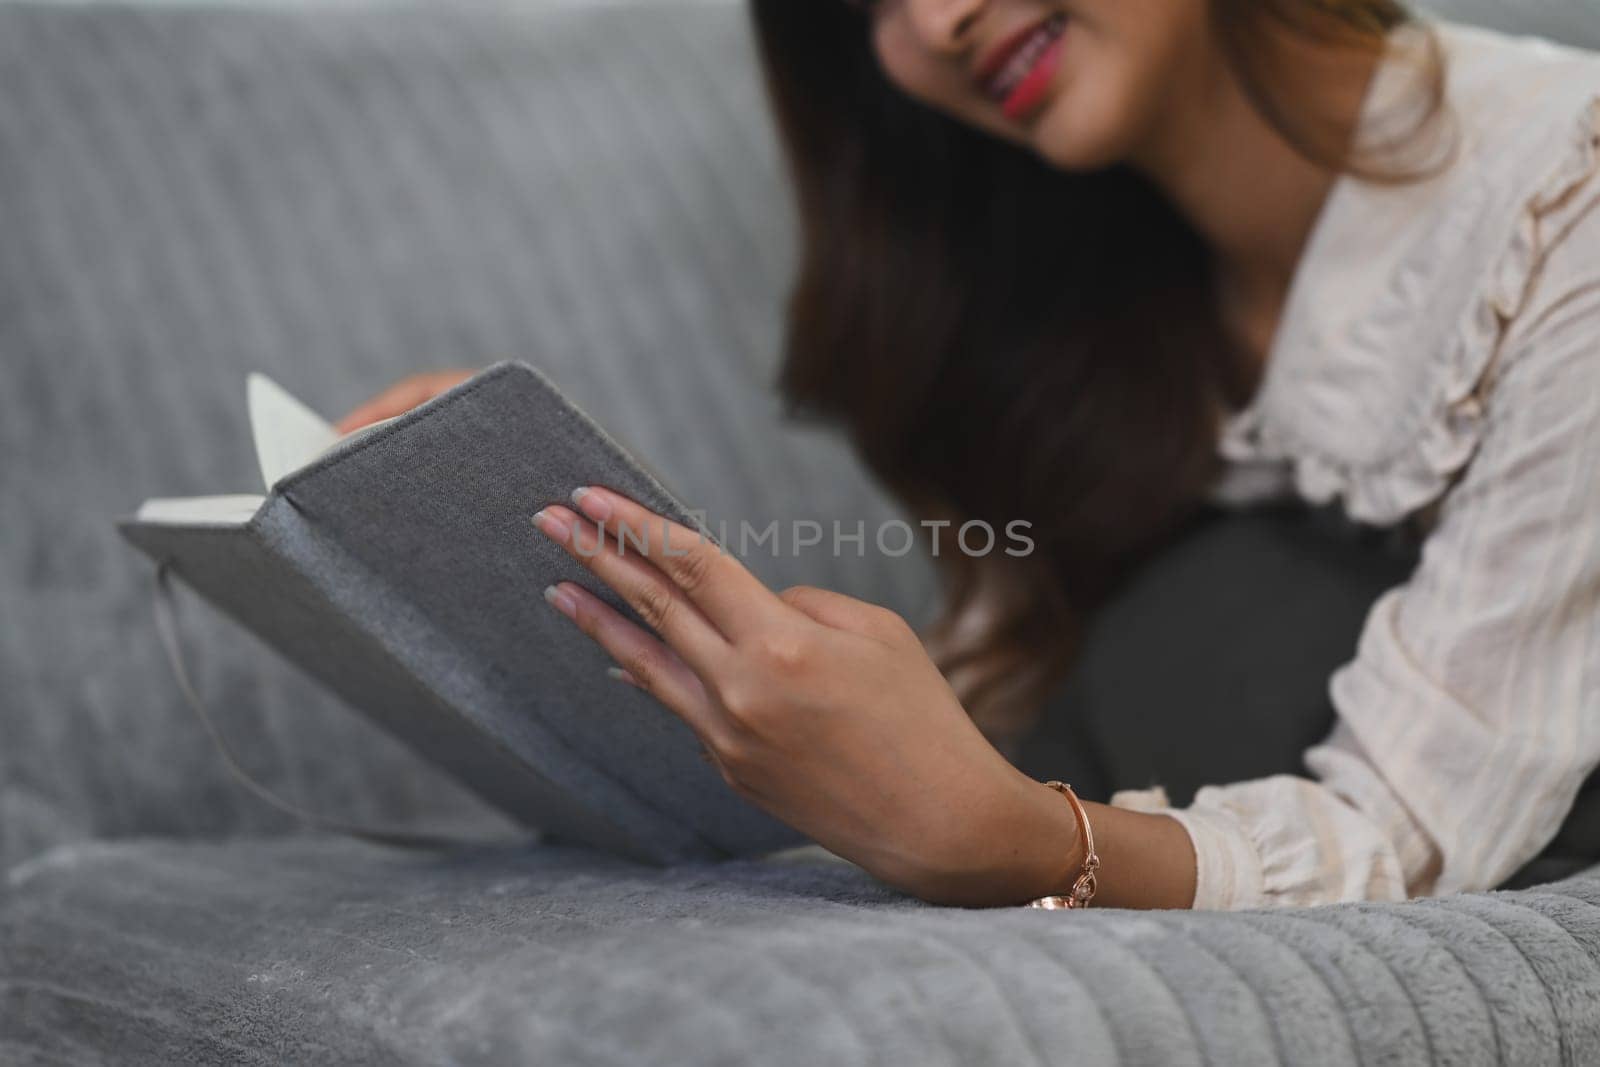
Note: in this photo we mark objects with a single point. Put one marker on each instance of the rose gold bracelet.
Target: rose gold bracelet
(1083, 887)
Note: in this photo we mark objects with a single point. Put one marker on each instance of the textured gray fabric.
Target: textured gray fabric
(304, 950)
(338, 198)
(1572, 21)
(402, 570)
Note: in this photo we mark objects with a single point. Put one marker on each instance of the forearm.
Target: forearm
(1146, 860)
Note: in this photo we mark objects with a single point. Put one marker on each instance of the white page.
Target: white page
(288, 434)
(235, 510)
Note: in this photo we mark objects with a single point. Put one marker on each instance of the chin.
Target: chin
(1071, 146)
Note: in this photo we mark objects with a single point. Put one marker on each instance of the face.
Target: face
(1089, 87)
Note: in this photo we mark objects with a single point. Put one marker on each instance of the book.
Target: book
(399, 567)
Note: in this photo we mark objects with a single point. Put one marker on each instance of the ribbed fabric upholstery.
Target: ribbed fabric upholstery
(341, 952)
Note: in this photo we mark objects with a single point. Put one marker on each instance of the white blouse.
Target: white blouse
(1439, 355)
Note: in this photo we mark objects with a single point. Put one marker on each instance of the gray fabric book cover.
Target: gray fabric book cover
(402, 570)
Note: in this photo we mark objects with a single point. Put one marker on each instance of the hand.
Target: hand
(401, 397)
(821, 709)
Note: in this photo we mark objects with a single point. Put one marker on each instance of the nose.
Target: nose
(945, 25)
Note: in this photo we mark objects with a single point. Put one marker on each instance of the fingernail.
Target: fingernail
(591, 503)
(551, 525)
(621, 675)
(561, 600)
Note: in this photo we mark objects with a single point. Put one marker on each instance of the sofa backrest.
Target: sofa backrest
(1575, 22)
(339, 195)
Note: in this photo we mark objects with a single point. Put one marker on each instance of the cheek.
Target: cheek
(905, 66)
(931, 81)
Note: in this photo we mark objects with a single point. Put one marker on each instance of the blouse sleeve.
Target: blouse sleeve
(1470, 714)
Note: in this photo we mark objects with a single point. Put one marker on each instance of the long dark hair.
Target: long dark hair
(1003, 340)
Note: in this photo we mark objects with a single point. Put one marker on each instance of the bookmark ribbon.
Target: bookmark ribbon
(167, 630)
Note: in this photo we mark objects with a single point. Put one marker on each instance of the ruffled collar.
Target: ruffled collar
(1371, 389)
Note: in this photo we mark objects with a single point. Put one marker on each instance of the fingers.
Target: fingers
(623, 676)
(643, 661)
(395, 400)
(700, 572)
(400, 398)
(845, 612)
(661, 605)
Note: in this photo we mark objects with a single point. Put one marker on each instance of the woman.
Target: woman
(1087, 263)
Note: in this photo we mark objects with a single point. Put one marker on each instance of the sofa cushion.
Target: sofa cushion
(311, 950)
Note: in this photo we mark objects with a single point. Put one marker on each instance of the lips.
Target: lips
(1010, 64)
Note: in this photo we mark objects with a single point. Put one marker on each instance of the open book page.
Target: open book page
(287, 435)
(232, 510)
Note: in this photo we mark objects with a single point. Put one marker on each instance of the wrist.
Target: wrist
(1029, 847)
(1055, 850)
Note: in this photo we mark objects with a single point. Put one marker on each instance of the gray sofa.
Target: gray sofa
(339, 195)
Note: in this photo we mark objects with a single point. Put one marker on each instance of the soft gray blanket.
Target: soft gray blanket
(302, 950)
